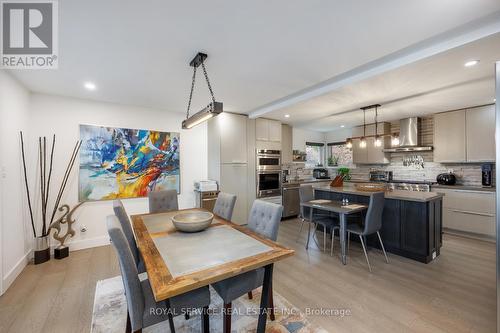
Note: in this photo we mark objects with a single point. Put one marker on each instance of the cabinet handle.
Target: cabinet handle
(472, 213)
(473, 191)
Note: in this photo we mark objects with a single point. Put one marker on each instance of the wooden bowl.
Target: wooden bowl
(192, 221)
(368, 187)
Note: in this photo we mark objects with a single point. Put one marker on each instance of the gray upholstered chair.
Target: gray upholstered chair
(140, 299)
(328, 222)
(224, 205)
(163, 201)
(124, 220)
(264, 219)
(372, 224)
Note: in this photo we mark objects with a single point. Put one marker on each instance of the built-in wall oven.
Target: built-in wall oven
(268, 183)
(268, 160)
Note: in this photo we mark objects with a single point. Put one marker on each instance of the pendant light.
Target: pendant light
(362, 141)
(395, 140)
(348, 143)
(378, 140)
(212, 109)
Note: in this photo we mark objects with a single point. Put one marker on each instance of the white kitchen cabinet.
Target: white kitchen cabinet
(370, 154)
(480, 134)
(267, 130)
(450, 137)
(233, 179)
(286, 144)
(359, 155)
(233, 138)
(376, 155)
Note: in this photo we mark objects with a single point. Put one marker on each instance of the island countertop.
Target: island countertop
(395, 194)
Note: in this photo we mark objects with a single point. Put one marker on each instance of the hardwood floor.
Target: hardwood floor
(455, 293)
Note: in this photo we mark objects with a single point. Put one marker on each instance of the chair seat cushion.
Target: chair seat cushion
(327, 221)
(236, 286)
(355, 228)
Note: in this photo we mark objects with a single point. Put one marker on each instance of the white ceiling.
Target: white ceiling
(435, 84)
(259, 51)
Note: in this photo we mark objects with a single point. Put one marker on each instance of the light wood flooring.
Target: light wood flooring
(455, 293)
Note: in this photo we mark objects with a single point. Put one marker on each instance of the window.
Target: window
(338, 154)
(315, 154)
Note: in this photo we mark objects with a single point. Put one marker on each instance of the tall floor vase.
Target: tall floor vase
(41, 249)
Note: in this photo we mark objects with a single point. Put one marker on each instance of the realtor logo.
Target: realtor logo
(29, 34)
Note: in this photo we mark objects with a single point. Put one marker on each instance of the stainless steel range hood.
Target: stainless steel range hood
(409, 138)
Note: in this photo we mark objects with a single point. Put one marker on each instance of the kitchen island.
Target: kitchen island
(411, 221)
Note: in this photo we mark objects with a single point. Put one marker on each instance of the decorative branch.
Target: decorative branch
(26, 184)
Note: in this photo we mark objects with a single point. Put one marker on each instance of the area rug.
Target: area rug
(110, 316)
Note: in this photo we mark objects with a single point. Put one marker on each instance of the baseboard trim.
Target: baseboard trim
(11, 276)
(88, 243)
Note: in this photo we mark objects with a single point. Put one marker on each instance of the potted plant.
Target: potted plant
(344, 172)
(333, 161)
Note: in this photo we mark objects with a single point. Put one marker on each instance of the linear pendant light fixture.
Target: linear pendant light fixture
(362, 142)
(212, 109)
(378, 141)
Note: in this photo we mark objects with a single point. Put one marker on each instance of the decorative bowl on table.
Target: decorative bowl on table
(192, 221)
(369, 187)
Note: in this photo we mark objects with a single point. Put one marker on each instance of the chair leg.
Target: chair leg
(366, 255)
(383, 248)
(226, 327)
(348, 241)
(308, 235)
(314, 235)
(300, 230)
(250, 295)
(333, 238)
(271, 303)
(324, 238)
(205, 320)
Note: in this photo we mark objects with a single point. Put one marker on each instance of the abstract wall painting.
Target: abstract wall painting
(127, 163)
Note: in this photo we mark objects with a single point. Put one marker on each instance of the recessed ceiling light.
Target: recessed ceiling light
(471, 63)
(342, 126)
(287, 116)
(90, 86)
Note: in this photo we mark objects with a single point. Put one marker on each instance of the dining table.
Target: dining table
(337, 207)
(177, 262)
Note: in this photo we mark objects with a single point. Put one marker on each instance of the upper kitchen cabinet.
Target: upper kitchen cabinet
(450, 137)
(480, 134)
(229, 131)
(370, 154)
(286, 144)
(267, 130)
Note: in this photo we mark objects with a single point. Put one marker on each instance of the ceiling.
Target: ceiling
(435, 84)
(259, 51)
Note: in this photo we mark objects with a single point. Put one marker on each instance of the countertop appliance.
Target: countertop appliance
(291, 201)
(446, 179)
(206, 185)
(486, 172)
(206, 199)
(380, 176)
(268, 160)
(320, 173)
(268, 183)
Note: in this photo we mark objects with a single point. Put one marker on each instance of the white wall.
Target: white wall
(15, 236)
(301, 136)
(44, 115)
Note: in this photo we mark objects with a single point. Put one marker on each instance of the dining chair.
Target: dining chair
(142, 309)
(224, 205)
(372, 224)
(163, 201)
(264, 220)
(124, 220)
(328, 222)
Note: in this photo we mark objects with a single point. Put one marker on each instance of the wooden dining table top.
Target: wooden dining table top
(178, 262)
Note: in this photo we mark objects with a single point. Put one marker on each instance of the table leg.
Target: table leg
(309, 227)
(342, 238)
(264, 299)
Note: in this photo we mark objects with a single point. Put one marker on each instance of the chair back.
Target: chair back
(306, 193)
(124, 220)
(373, 220)
(163, 201)
(224, 205)
(265, 218)
(131, 282)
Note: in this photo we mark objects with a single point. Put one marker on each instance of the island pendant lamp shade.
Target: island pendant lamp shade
(362, 142)
(212, 109)
(378, 141)
(348, 143)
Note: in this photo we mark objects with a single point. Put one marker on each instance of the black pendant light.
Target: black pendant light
(212, 109)
(378, 140)
(362, 141)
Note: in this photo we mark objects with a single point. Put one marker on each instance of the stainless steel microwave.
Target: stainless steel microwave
(268, 160)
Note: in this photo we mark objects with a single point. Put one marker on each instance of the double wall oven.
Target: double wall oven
(268, 173)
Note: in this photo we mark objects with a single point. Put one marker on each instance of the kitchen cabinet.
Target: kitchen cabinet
(233, 179)
(286, 144)
(450, 137)
(371, 154)
(480, 134)
(267, 130)
(233, 139)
